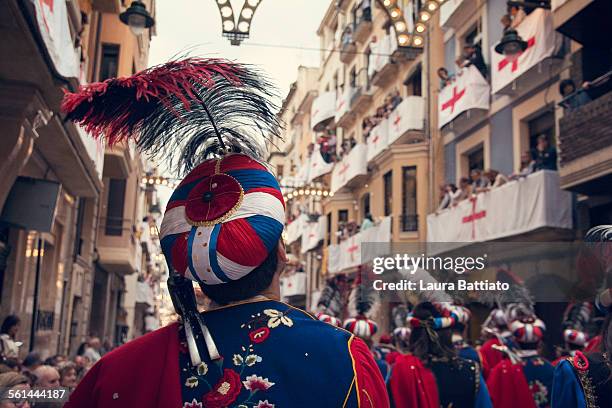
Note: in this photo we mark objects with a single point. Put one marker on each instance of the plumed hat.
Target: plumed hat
(327, 318)
(528, 330)
(361, 327)
(209, 119)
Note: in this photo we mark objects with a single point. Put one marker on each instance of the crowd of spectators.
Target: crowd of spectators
(542, 157)
(392, 100)
(34, 372)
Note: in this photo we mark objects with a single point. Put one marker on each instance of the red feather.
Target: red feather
(115, 107)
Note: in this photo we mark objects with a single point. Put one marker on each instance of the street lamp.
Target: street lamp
(237, 31)
(512, 44)
(137, 18)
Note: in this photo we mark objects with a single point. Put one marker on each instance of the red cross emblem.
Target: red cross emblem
(375, 139)
(343, 169)
(474, 216)
(453, 100)
(352, 249)
(49, 3)
(397, 121)
(502, 64)
(340, 105)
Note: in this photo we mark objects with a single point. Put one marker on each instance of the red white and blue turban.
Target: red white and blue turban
(327, 318)
(361, 326)
(223, 220)
(530, 331)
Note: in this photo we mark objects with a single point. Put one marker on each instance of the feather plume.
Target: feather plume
(184, 111)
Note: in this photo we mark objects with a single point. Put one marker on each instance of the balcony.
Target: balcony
(323, 111)
(350, 254)
(351, 170)
(363, 95)
(362, 26)
(585, 141)
(534, 206)
(118, 161)
(304, 107)
(117, 246)
(348, 50)
(344, 116)
(454, 13)
(382, 69)
(514, 76)
(293, 285)
(404, 125)
(464, 100)
(314, 233)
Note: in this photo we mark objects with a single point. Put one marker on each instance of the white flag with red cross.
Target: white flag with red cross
(377, 140)
(408, 115)
(537, 30)
(323, 108)
(352, 165)
(318, 166)
(468, 90)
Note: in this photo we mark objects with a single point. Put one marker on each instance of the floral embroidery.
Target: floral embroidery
(276, 318)
(202, 368)
(237, 360)
(251, 359)
(539, 392)
(259, 335)
(264, 404)
(224, 392)
(193, 404)
(255, 383)
(192, 382)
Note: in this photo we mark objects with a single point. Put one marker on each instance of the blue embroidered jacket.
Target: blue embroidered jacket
(273, 355)
(539, 374)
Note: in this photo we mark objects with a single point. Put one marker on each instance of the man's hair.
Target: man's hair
(246, 287)
(9, 322)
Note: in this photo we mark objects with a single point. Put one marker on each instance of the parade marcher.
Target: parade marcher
(585, 381)
(464, 350)
(538, 371)
(575, 337)
(495, 328)
(433, 375)
(222, 229)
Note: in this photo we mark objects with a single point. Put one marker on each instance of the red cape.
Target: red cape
(145, 373)
(490, 356)
(412, 385)
(508, 386)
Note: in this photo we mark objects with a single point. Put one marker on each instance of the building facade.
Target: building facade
(56, 181)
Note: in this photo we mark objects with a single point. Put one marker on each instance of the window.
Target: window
(342, 216)
(365, 205)
(279, 171)
(413, 83)
(329, 225)
(476, 159)
(109, 63)
(114, 207)
(353, 77)
(473, 36)
(78, 234)
(388, 192)
(409, 199)
(543, 124)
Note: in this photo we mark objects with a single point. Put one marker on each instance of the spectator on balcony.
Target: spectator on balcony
(366, 10)
(517, 13)
(347, 36)
(367, 125)
(396, 99)
(573, 98)
(527, 166)
(506, 22)
(544, 155)
(480, 183)
(472, 55)
(463, 192)
(368, 222)
(445, 78)
(446, 195)
(496, 178)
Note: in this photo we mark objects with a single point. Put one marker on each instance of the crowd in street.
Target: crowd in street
(36, 372)
(542, 157)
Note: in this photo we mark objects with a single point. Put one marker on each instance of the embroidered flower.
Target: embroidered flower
(251, 359)
(276, 318)
(237, 360)
(202, 368)
(263, 404)
(191, 382)
(259, 335)
(193, 404)
(255, 383)
(225, 392)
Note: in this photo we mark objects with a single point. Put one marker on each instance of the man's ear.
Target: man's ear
(281, 255)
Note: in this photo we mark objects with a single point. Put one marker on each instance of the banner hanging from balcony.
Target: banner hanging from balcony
(538, 30)
(343, 102)
(318, 166)
(352, 165)
(348, 253)
(293, 285)
(52, 19)
(469, 90)
(407, 116)
(294, 230)
(313, 233)
(517, 207)
(381, 51)
(323, 109)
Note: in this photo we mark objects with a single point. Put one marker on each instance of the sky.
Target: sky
(194, 26)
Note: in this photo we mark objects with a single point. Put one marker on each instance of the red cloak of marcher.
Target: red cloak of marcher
(508, 386)
(412, 385)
